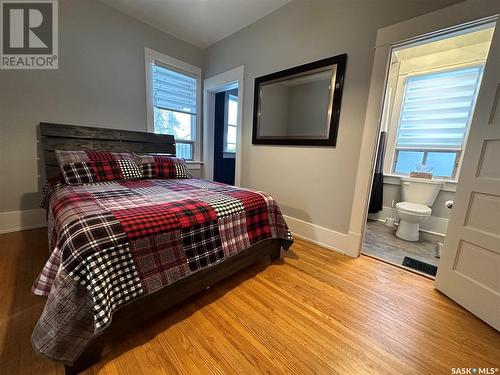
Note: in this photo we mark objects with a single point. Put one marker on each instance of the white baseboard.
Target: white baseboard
(14, 221)
(435, 225)
(345, 243)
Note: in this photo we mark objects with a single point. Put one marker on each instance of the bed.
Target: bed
(124, 251)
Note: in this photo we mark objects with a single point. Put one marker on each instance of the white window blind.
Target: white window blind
(174, 91)
(175, 107)
(437, 108)
(435, 114)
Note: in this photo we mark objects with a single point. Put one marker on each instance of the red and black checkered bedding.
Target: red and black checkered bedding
(116, 241)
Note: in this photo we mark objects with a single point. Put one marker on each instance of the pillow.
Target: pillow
(162, 166)
(79, 167)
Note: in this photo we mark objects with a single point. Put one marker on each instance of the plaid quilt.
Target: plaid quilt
(116, 241)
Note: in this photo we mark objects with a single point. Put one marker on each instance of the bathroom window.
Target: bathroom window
(435, 115)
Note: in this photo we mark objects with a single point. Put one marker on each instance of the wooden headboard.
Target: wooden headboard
(72, 137)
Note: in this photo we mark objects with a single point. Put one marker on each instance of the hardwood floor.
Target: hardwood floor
(314, 312)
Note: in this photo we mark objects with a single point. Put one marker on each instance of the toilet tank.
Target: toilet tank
(419, 190)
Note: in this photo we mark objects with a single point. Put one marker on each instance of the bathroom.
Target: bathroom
(431, 89)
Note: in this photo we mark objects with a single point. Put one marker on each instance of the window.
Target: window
(173, 90)
(435, 116)
(231, 123)
(174, 103)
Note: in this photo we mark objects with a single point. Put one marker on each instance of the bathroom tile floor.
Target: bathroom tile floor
(381, 242)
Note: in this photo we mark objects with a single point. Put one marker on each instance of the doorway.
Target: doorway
(222, 126)
(430, 94)
(225, 127)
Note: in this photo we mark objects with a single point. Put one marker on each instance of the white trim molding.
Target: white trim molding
(344, 243)
(212, 85)
(14, 221)
(194, 165)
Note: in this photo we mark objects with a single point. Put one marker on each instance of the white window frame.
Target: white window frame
(458, 158)
(182, 67)
(399, 84)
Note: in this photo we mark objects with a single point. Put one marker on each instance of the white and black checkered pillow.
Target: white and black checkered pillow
(181, 170)
(130, 169)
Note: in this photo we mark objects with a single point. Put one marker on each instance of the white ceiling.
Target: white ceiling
(199, 22)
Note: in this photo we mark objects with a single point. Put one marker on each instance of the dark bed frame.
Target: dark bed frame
(71, 137)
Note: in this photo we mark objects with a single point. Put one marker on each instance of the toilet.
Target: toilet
(418, 195)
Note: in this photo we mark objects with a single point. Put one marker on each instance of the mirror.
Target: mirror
(301, 105)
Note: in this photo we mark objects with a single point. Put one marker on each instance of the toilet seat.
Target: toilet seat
(413, 208)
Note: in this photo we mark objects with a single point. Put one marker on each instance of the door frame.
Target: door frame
(211, 86)
(428, 25)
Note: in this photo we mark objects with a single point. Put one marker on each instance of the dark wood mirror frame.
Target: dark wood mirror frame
(340, 62)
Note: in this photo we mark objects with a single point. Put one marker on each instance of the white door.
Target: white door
(469, 271)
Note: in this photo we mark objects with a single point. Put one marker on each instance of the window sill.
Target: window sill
(194, 165)
(394, 179)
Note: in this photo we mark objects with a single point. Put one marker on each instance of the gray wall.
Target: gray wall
(100, 81)
(312, 184)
